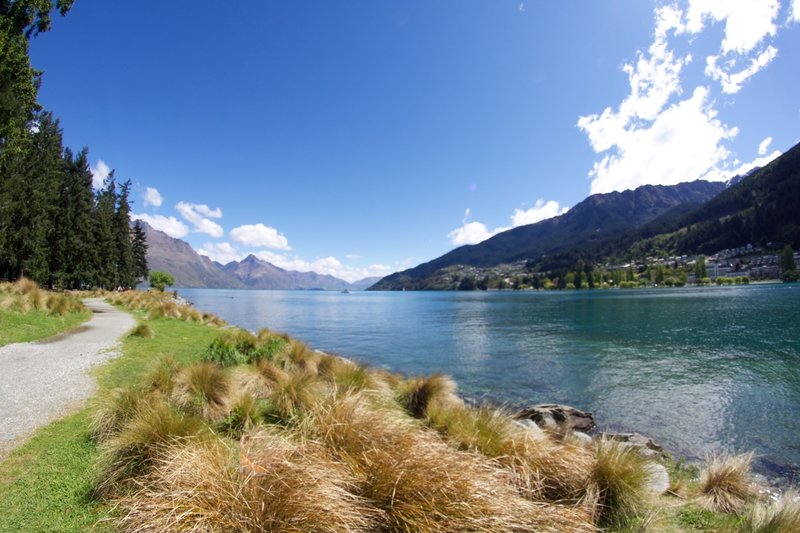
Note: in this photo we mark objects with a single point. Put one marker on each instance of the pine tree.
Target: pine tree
(29, 195)
(74, 253)
(126, 267)
(139, 246)
(105, 236)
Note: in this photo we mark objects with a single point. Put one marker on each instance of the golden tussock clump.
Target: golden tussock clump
(202, 389)
(24, 295)
(421, 483)
(781, 516)
(129, 453)
(418, 394)
(268, 484)
(540, 468)
(725, 484)
(619, 483)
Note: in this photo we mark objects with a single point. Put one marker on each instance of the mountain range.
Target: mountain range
(190, 269)
(697, 217)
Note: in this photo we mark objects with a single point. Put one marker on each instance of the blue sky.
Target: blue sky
(359, 138)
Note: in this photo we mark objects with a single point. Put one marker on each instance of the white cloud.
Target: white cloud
(471, 233)
(99, 173)
(475, 232)
(758, 162)
(221, 252)
(326, 266)
(169, 225)
(732, 83)
(658, 136)
(682, 144)
(654, 78)
(795, 14)
(747, 22)
(260, 235)
(764, 146)
(352, 256)
(152, 197)
(540, 211)
(196, 215)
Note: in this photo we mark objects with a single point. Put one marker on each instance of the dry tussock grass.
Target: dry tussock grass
(421, 483)
(202, 389)
(418, 394)
(271, 484)
(781, 516)
(618, 490)
(24, 295)
(128, 454)
(725, 484)
(540, 468)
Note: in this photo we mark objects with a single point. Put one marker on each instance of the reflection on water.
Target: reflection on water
(701, 370)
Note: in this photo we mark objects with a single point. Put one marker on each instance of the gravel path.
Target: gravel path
(44, 380)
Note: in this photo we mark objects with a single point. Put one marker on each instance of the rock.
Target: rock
(561, 418)
(530, 425)
(645, 445)
(581, 437)
(658, 482)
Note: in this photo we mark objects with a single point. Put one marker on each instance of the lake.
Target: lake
(700, 370)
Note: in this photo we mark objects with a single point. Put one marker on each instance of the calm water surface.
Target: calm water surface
(701, 370)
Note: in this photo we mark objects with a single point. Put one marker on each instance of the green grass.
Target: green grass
(35, 325)
(46, 484)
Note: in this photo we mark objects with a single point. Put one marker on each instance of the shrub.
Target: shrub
(237, 346)
(161, 280)
(725, 482)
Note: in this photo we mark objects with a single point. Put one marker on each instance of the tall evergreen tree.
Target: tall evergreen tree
(29, 193)
(139, 246)
(74, 254)
(105, 236)
(126, 267)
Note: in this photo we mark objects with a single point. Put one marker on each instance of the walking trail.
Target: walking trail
(44, 380)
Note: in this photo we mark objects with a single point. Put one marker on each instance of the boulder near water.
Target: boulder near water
(560, 418)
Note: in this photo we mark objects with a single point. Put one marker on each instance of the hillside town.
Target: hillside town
(740, 265)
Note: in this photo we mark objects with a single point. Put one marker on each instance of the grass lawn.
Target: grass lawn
(45, 485)
(34, 325)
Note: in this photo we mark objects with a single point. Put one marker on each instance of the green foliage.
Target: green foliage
(139, 249)
(161, 280)
(237, 346)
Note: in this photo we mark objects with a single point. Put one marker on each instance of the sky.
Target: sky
(358, 138)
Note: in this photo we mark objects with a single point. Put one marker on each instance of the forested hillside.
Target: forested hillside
(54, 227)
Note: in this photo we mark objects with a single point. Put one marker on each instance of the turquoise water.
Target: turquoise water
(700, 370)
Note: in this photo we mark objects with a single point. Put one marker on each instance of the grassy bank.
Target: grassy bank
(208, 429)
(29, 313)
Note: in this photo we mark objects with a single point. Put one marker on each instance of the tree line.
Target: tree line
(54, 227)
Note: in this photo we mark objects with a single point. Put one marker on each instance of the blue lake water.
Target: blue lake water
(701, 370)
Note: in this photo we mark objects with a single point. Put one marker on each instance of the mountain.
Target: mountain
(255, 273)
(190, 269)
(364, 284)
(596, 219)
(760, 208)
